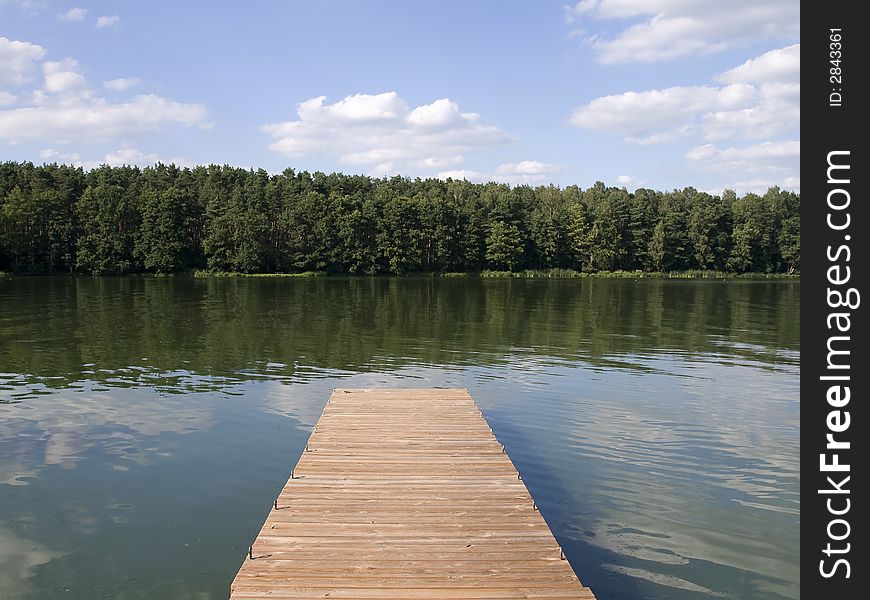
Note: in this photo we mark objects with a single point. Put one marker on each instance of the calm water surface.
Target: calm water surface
(147, 424)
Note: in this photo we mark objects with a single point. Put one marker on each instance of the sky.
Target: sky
(660, 94)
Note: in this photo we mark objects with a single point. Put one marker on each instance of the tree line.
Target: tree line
(166, 219)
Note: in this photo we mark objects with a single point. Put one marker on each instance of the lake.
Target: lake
(146, 424)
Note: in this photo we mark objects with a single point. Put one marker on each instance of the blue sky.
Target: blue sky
(641, 93)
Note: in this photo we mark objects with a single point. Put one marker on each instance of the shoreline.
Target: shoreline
(486, 274)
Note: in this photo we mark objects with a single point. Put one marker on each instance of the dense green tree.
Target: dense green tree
(444, 226)
(357, 221)
(657, 247)
(752, 242)
(579, 237)
(162, 241)
(643, 215)
(400, 234)
(168, 219)
(784, 229)
(672, 248)
(548, 228)
(20, 218)
(504, 245)
(743, 241)
(603, 245)
(37, 217)
(789, 242)
(108, 222)
(708, 228)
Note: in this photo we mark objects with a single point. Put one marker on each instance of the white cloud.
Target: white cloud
(759, 166)
(62, 78)
(785, 153)
(625, 180)
(469, 174)
(658, 30)
(119, 85)
(753, 106)
(97, 119)
(529, 172)
(782, 65)
(358, 109)
(663, 137)
(442, 162)
(441, 114)
(60, 157)
(760, 185)
(106, 22)
(777, 111)
(65, 107)
(133, 157)
(382, 134)
(7, 98)
(747, 107)
(28, 6)
(117, 158)
(527, 167)
(18, 60)
(73, 14)
(637, 114)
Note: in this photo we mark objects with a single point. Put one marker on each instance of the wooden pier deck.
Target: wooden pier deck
(405, 494)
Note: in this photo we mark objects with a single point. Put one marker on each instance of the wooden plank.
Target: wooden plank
(405, 494)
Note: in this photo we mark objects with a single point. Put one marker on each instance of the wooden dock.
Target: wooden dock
(405, 494)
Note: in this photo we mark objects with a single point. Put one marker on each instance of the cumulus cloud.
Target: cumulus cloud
(61, 77)
(50, 154)
(529, 172)
(106, 22)
(469, 174)
(73, 14)
(381, 133)
(785, 153)
(782, 65)
(625, 180)
(527, 167)
(748, 106)
(133, 157)
(760, 185)
(97, 119)
(777, 112)
(18, 61)
(116, 158)
(657, 30)
(760, 165)
(119, 85)
(64, 107)
(637, 115)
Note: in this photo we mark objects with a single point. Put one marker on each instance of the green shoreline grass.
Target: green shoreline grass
(207, 273)
(531, 274)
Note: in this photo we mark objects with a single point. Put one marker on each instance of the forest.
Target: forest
(166, 219)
